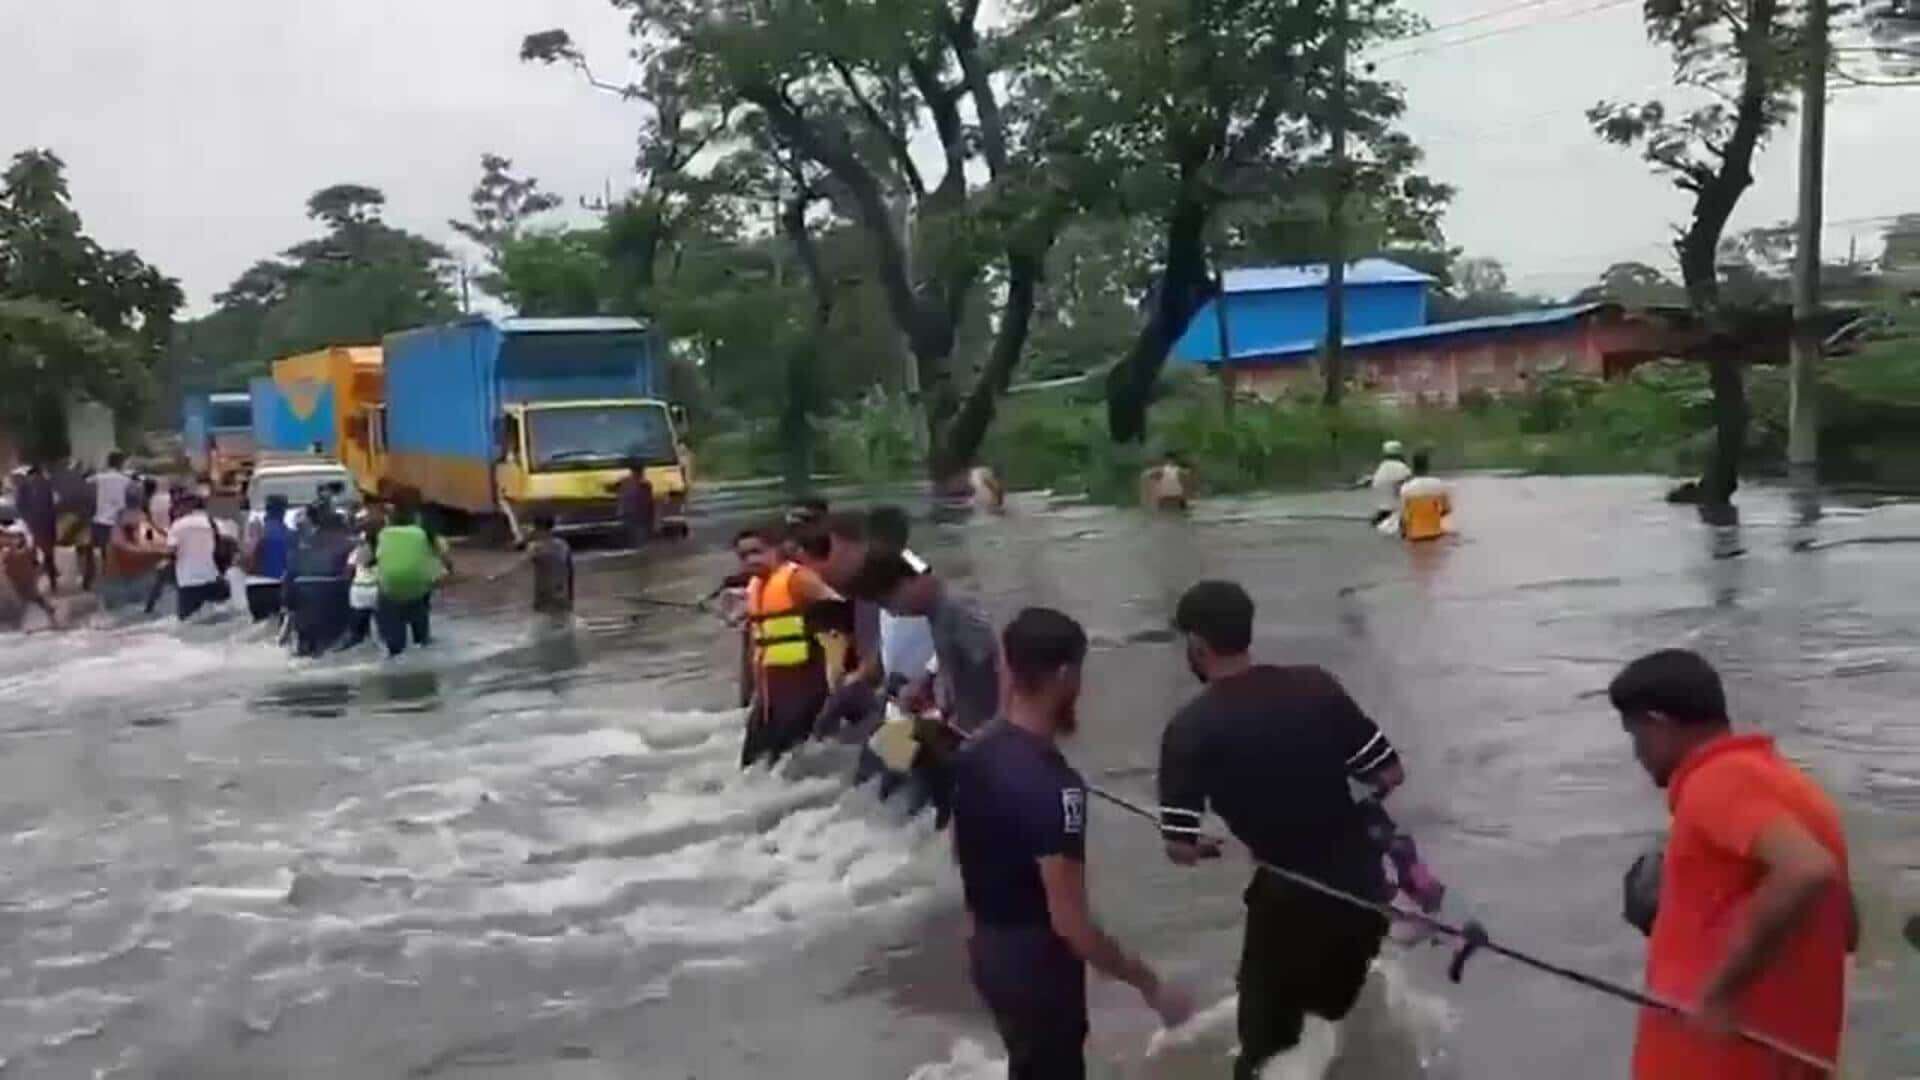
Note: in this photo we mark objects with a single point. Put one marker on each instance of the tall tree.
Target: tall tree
(75, 318)
(1182, 108)
(1634, 284)
(670, 202)
(1742, 54)
(501, 204)
(360, 279)
(845, 88)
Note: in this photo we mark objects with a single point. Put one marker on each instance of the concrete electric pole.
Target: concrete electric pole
(1803, 425)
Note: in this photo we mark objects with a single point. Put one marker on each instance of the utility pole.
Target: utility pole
(1334, 369)
(1803, 424)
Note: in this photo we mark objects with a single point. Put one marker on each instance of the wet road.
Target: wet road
(525, 853)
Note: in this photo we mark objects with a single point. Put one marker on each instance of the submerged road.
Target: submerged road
(523, 853)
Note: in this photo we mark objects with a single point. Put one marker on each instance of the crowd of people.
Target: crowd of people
(847, 634)
(328, 576)
(121, 529)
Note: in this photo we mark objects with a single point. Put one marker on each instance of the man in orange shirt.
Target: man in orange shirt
(1755, 918)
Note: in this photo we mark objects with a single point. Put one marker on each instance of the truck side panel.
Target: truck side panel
(577, 367)
(302, 411)
(263, 404)
(441, 405)
(193, 430)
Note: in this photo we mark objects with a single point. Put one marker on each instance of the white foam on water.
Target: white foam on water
(1212, 1020)
(1310, 1059)
(967, 1061)
(93, 665)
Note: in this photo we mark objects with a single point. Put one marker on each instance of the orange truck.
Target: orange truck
(328, 403)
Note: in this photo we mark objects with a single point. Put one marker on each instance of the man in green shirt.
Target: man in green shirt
(409, 563)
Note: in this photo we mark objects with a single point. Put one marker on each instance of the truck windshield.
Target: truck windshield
(303, 487)
(597, 437)
(227, 415)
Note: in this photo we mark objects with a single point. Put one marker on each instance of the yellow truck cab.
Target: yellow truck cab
(568, 458)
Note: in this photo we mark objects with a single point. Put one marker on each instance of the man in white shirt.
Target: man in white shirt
(110, 486)
(196, 572)
(1387, 478)
(160, 510)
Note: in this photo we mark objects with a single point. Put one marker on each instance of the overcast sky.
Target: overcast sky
(194, 131)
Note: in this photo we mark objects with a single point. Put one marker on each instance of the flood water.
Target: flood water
(526, 853)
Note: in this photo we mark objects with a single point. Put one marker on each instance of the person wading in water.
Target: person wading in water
(1272, 750)
(409, 564)
(265, 560)
(783, 679)
(1755, 916)
(317, 580)
(1019, 834)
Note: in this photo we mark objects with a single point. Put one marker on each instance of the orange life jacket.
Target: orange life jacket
(779, 626)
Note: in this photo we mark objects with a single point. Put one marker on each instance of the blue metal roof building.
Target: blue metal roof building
(1282, 310)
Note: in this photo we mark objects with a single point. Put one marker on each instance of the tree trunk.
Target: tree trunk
(1715, 195)
(796, 423)
(960, 441)
(1185, 286)
(1722, 476)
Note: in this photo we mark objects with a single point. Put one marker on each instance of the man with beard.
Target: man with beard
(1020, 823)
(1272, 750)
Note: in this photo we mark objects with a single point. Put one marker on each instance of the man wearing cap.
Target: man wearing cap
(1387, 478)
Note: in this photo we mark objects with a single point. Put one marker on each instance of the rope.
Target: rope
(1473, 937)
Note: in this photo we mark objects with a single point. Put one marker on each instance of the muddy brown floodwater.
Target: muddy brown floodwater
(527, 853)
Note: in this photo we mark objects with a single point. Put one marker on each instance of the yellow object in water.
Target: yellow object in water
(833, 651)
(894, 743)
(1424, 507)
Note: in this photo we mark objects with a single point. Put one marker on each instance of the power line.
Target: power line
(1440, 28)
(1499, 32)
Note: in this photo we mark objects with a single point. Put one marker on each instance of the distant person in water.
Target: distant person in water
(409, 564)
(1166, 486)
(634, 494)
(984, 486)
(133, 558)
(1425, 503)
(197, 574)
(317, 581)
(21, 565)
(1386, 480)
(39, 509)
(363, 591)
(552, 561)
(264, 558)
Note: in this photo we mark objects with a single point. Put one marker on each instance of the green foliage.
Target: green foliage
(75, 318)
(554, 273)
(1633, 284)
(501, 204)
(1474, 288)
(357, 281)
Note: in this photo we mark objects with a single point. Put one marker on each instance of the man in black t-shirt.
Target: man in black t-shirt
(1272, 751)
(1019, 833)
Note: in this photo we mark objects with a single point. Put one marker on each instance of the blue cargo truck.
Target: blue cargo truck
(505, 419)
(217, 430)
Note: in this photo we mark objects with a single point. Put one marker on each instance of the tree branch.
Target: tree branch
(965, 43)
(897, 146)
(869, 208)
(943, 103)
